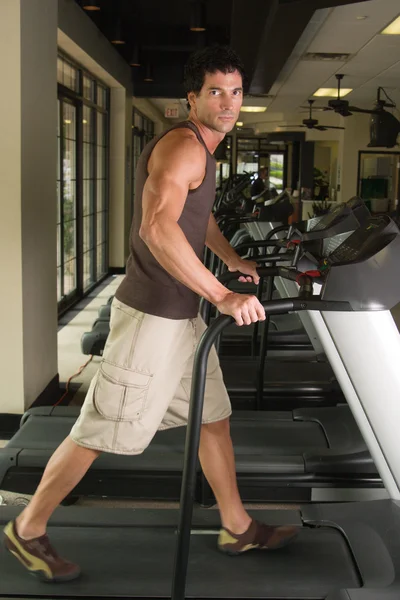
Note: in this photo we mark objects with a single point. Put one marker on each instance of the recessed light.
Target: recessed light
(255, 109)
(67, 121)
(393, 28)
(332, 92)
(91, 5)
(239, 124)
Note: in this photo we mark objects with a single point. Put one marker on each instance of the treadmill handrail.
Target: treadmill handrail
(285, 272)
(192, 442)
(261, 244)
(227, 276)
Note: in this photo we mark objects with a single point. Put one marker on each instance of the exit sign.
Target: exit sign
(172, 112)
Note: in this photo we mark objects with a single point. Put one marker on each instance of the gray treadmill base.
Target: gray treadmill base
(137, 561)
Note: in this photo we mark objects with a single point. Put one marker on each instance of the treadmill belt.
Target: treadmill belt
(138, 562)
(241, 375)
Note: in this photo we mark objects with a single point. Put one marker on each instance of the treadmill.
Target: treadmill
(347, 551)
(243, 376)
(280, 455)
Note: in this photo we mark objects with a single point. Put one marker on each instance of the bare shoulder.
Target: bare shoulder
(179, 149)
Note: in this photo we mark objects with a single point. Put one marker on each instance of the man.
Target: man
(143, 383)
(259, 185)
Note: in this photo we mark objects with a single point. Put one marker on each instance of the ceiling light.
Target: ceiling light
(362, 17)
(255, 109)
(84, 122)
(67, 121)
(149, 73)
(239, 124)
(332, 92)
(135, 59)
(116, 36)
(197, 16)
(91, 5)
(393, 28)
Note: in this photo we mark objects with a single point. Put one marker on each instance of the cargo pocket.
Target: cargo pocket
(121, 394)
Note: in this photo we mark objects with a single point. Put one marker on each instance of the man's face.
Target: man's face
(218, 104)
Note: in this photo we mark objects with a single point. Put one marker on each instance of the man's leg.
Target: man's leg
(240, 533)
(63, 472)
(218, 464)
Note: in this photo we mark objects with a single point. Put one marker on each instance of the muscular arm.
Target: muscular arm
(177, 164)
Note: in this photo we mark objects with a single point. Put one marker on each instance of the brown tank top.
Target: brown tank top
(147, 286)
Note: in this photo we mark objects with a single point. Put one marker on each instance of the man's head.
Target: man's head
(263, 172)
(214, 86)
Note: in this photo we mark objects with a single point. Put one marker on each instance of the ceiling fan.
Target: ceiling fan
(311, 123)
(343, 107)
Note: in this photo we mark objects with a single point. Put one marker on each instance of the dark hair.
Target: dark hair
(210, 60)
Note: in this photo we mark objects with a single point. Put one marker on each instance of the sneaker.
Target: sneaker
(39, 557)
(258, 537)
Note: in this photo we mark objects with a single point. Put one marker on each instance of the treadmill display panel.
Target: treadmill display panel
(364, 242)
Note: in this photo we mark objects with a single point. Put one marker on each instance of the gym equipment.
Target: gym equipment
(280, 456)
(348, 551)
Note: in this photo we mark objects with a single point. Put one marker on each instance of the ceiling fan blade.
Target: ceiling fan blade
(315, 109)
(334, 127)
(291, 125)
(320, 127)
(362, 110)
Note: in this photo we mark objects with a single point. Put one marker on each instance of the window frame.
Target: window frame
(76, 97)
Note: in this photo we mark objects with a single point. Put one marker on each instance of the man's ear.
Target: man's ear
(192, 99)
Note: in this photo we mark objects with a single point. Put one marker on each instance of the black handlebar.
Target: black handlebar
(284, 272)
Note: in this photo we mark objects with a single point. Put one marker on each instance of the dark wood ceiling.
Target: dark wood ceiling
(263, 32)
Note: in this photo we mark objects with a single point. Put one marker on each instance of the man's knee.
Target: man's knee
(83, 451)
(217, 427)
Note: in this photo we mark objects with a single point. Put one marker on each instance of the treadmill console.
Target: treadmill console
(344, 218)
(355, 204)
(277, 209)
(366, 241)
(365, 268)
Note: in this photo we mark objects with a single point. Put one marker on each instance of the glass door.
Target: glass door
(276, 172)
(67, 199)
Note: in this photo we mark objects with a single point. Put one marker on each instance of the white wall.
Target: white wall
(152, 113)
(38, 192)
(28, 155)
(11, 348)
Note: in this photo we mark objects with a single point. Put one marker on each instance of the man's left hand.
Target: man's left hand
(247, 267)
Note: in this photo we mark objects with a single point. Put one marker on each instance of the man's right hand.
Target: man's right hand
(243, 308)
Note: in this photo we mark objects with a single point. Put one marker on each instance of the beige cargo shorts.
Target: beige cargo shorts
(144, 382)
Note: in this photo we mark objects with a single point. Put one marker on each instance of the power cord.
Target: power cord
(71, 378)
(395, 109)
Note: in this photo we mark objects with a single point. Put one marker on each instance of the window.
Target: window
(82, 183)
(223, 157)
(379, 180)
(256, 153)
